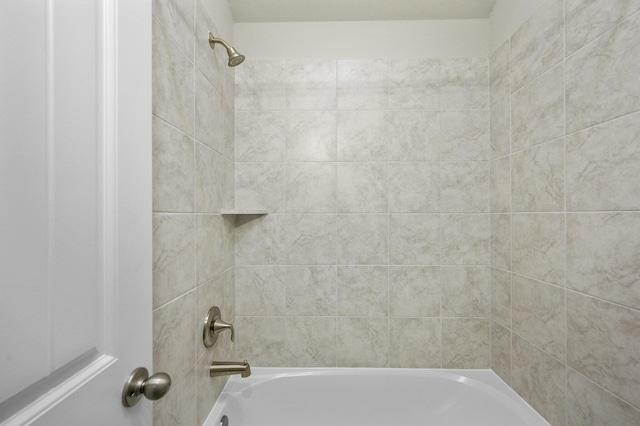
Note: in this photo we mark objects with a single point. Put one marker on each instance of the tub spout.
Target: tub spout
(222, 368)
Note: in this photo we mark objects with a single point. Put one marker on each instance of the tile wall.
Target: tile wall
(565, 220)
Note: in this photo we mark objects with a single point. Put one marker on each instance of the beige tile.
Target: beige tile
(415, 136)
(209, 246)
(464, 187)
(363, 239)
(310, 342)
(362, 342)
(501, 241)
(415, 342)
(310, 239)
(414, 291)
(414, 239)
(177, 19)
(464, 239)
(311, 187)
(260, 186)
(414, 187)
(228, 193)
(212, 293)
(362, 135)
(260, 290)
(209, 179)
(261, 340)
(499, 83)
(362, 187)
(465, 291)
(500, 180)
(466, 135)
(500, 126)
(465, 343)
(211, 63)
(501, 351)
(501, 296)
(363, 291)
(209, 114)
(208, 388)
(465, 83)
(260, 85)
(228, 241)
(229, 130)
(363, 84)
(259, 136)
(311, 84)
(414, 84)
(311, 291)
(178, 407)
(260, 240)
(311, 136)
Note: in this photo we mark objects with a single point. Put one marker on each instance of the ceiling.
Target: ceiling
(357, 10)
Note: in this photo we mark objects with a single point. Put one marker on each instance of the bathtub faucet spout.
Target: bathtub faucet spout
(222, 368)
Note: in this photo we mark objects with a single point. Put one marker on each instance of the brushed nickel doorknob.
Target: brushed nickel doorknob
(139, 384)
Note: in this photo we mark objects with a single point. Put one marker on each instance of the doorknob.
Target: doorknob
(139, 383)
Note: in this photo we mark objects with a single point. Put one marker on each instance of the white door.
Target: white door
(75, 209)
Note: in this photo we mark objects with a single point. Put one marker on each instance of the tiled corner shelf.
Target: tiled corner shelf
(234, 212)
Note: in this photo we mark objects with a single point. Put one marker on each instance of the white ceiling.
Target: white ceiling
(357, 10)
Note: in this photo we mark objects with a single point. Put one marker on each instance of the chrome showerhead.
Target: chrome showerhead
(235, 58)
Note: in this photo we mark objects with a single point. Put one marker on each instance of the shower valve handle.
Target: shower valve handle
(219, 326)
(213, 325)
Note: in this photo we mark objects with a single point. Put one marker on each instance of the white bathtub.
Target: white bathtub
(370, 397)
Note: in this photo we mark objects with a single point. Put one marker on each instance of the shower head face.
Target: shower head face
(235, 59)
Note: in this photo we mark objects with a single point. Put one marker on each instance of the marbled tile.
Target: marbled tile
(538, 246)
(311, 187)
(310, 342)
(466, 135)
(539, 379)
(464, 187)
(500, 127)
(173, 256)
(209, 115)
(311, 135)
(259, 136)
(414, 136)
(537, 178)
(538, 44)
(229, 130)
(260, 290)
(260, 240)
(590, 405)
(211, 63)
(501, 296)
(466, 343)
(209, 246)
(260, 85)
(261, 340)
(465, 83)
(414, 291)
(229, 189)
(500, 182)
(363, 291)
(414, 187)
(172, 81)
(603, 81)
(464, 239)
(501, 241)
(362, 187)
(362, 135)
(414, 239)
(362, 342)
(466, 291)
(602, 256)
(537, 110)
(363, 84)
(311, 290)
(499, 83)
(178, 407)
(172, 169)
(310, 239)
(415, 343)
(501, 351)
(212, 293)
(603, 343)
(260, 186)
(362, 239)
(229, 296)
(208, 389)
(177, 19)
(587, 19)
(539, 315)
(414, 83)
(602, 166)
(311, 84)
(209, 179)
(228, 241)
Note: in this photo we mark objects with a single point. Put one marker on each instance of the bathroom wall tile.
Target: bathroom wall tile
(538, 44)
(537, 110)
(414, 239)
(172, 82)
(464, 186)
(465, 343)
(590, 405)
(501, 241)
(178, 407)
(208, 389)
(414, 187)
(362, 187)
(311, 84)
(465, 83)
(311, 290)
(211, 63)
(602, 166)
(500, 181)
(311, 187)
(602, 256)
(173, 256)
(310, 239)
(538, 246)
(539, 315)
(362, 135)
(501, 296)
(212, 293)
(500, 129)
(209, 246)
(311, 136)
(362, 342)
(363, 84)
(499, 83)
(414, 291)
(228, 192)
(229, 129)
(260, 240)
(177, 18)
(464, 239)
(260, 186)
(501, 351)
(414, 84)
(259, 136)
(539, 379)
(362, 239)
(594, 75)
(363, 291)
(261, 340)
(603, 344)
(209, 179)
(537, 178)
(209, 115)
(466, 135)
(172, 169)
(415, 342)
(466, 291)
(260, 85)
(310, 342)
(414, 136)
(261, 290)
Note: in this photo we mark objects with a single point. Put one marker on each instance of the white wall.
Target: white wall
(506, 17)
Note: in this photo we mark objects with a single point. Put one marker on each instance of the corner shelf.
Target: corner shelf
(234, 212)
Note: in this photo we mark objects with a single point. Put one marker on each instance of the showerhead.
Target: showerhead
(235, 58)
